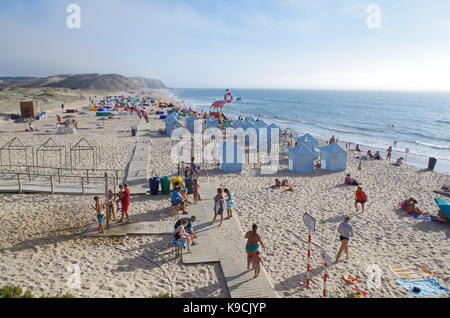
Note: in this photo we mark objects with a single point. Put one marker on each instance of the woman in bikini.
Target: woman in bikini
(253, 243)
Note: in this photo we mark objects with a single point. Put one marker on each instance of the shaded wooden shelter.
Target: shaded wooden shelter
(16, 144)
(82, 146)
(30, 109)
(51, 146)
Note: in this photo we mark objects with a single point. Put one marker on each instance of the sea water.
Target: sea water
(418, 121)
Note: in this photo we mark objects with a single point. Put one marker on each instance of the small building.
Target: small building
(333, 158)
(212, 122)
(189, 123)
(231, 157)
(30, 109)
(301, 159)
(309, 142)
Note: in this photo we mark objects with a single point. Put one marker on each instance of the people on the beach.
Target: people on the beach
(399, 162)
(369, 154)
(100, 212)
(389, 154)
(219, 206)
(357, 148)
(125, 203)
(377, 156)
(360, 197)
(253, 244)
(189, 228)
(177, 198)
(332, 140)
(111, 201)
(257, 262)
(195, 168)
(350, 181)
(119, 196)
(345, 231)
(230, 203)
(195, 187)
(181, 234)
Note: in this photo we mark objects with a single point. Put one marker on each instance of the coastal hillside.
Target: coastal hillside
(84, 81)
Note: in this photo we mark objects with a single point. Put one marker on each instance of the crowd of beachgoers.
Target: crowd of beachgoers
(370, 213)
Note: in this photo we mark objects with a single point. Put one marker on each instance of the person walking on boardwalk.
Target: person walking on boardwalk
(219, 206)
(230, 203)
(100, 211)
(253, 242)
(125, 203)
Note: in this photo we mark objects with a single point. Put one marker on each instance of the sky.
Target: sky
(305, 44)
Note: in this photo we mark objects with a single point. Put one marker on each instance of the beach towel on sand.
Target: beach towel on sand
(412, 272)
(428, 286)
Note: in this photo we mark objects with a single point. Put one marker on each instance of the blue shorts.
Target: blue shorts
(177, 202)
(100, 218)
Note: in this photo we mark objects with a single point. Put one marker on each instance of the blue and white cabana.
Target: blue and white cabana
(261, 124)
(170, 121)
(189, 123)
(172, 126)
(240, 124)
(212, 122)
(231, 157)
(301, 159)
(333, 158)
(309, 142)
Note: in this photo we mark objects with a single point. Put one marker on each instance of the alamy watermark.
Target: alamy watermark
(374, 18)
(74, 19)
(74, 276)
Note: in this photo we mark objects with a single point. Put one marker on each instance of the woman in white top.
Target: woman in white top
(345, 230)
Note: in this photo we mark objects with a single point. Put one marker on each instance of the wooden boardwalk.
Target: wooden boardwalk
(137, 176)
(30, 187)
(218, 244)
(122, 229)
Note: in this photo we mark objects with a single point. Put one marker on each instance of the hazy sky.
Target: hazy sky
(234, 43)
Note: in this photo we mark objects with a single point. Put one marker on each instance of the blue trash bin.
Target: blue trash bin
(189, 182)
(154, 186)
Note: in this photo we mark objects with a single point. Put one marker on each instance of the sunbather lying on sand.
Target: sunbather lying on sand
(409, 206)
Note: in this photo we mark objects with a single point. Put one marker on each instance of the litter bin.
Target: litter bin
(177, 179)
(165, 185)
(154, 186)
(189, 182)
(432, 163)
(133, 132)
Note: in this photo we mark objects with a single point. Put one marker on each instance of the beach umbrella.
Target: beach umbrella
(444, 206)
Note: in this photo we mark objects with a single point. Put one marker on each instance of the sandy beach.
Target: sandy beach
(40, 234)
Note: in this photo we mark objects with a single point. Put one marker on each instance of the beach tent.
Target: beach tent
(172, 122)
(249, 120)
(272, 129)
(309, 142)
(444, 206)
(189, 123)
(240, 124)
(261, 124)
(231, 157)
(333, 158)
(212, 122)
(250, 129)
(301, 159)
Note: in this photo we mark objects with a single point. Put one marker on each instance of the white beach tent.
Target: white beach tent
(231, 157)
(261, 124)
(301, 159)
(333, 158)
(212, 122)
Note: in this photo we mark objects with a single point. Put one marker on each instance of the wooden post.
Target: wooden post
(59, 176)
(117, 177)
(18, 181)
(29, 174)
(108, 214)
(51, 184)
(82, 186)
(87, 176)
(115, 184)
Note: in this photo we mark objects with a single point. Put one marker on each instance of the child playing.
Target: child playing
(360, 197)
(219, 206)
(195, 187)
(257, 262)
(99, 209)
(111, 201)
(230, 203)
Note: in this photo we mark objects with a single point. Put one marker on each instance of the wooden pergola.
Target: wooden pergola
(82, 146)
(16, 144)
(51, 146)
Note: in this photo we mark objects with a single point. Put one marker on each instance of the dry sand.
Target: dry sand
(40, 233)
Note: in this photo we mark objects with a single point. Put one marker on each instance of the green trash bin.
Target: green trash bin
(165, 185)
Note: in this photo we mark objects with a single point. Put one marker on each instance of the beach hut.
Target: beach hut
(309, 142)
(240, 124)
(189, 123)
(249, 120)
(250, 130)
(30, 109)
(272, 129)
(261, 124)
(172, 122)
(231, 157)
(333, 158)
(212, 122)
(301, 159)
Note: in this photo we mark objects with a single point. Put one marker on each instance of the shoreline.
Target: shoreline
(415, 160)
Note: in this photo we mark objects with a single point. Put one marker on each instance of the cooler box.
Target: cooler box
(154, 185)
(165, 185)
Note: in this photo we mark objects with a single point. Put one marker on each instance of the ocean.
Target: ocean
(418, 121)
